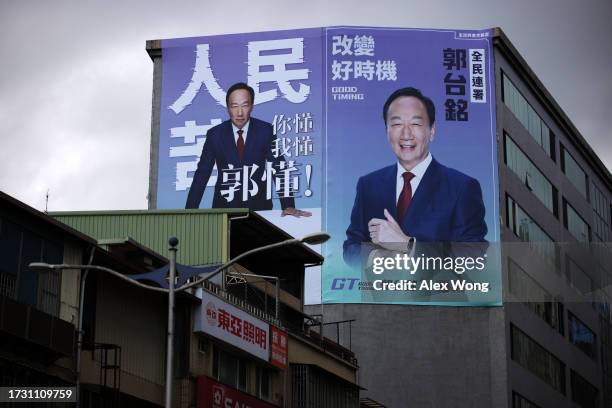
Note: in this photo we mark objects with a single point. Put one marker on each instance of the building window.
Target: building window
(518, 401)
(525, 113)
(312, 386)
(583, 392)
(527, 230)
(601, 216)
(535, 358)
(203, 345)
(574, 172)
(535, 297)
(7, 284)
(264, 381)
(229, 369)
(604, 307)
(18, 248)
(575, 224)
(581, 336)
(529, 174)
(577, 277)
(49, 281)
(10, 252)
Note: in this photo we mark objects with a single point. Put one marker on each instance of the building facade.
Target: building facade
(231, 346)
(38, 310)
(257, 349)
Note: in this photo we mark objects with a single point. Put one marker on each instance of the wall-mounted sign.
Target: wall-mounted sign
(225, 322)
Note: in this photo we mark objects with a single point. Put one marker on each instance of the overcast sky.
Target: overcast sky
(75, 80)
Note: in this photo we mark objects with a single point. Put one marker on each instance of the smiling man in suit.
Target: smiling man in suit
(417, 198)
(241, 145)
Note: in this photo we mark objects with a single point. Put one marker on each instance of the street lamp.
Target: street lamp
(311, 239)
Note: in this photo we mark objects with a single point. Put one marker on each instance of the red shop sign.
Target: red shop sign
(213, 394)
(278, 356)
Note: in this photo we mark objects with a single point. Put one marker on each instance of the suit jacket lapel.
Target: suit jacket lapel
(251, 141)
(389, 191)
(228, 145)
(423, 196)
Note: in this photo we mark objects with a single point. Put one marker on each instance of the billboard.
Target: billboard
(284, 70)
(456, 198)
(322, 92)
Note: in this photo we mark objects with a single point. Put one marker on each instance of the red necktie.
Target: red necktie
(405, 197)
(240, 144)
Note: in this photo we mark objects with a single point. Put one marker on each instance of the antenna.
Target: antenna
(47, 202)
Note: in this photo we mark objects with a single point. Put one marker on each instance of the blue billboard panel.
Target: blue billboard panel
(283, 68)
(339, 115)
(439, 125)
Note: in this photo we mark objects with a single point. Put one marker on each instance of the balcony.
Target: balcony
(302, 328)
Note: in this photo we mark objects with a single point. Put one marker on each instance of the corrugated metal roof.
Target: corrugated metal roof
(202, 234)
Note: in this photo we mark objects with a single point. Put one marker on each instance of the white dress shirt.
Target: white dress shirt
(418, 171)
(245, 130)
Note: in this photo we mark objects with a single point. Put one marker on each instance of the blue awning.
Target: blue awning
(183, 272)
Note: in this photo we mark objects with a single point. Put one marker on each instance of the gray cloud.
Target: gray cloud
(76, 82)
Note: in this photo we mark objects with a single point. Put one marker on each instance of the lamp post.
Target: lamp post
(312, 239)
(173, 241)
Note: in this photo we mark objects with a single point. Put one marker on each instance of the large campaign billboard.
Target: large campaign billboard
(340, 149)
(455, 201)
(284, 69)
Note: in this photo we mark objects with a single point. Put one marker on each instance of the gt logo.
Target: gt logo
(341, 283)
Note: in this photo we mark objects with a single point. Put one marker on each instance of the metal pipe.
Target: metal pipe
(173, 241)
(266, 297)
(236, 259)
(44, 266)
(277, 295)
(80, 329)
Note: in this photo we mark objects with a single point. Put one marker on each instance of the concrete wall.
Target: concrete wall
(425, 356)
(301, 352)
(135, 320)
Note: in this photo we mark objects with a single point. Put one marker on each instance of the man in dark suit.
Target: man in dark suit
(241, 147)
(417, 199)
